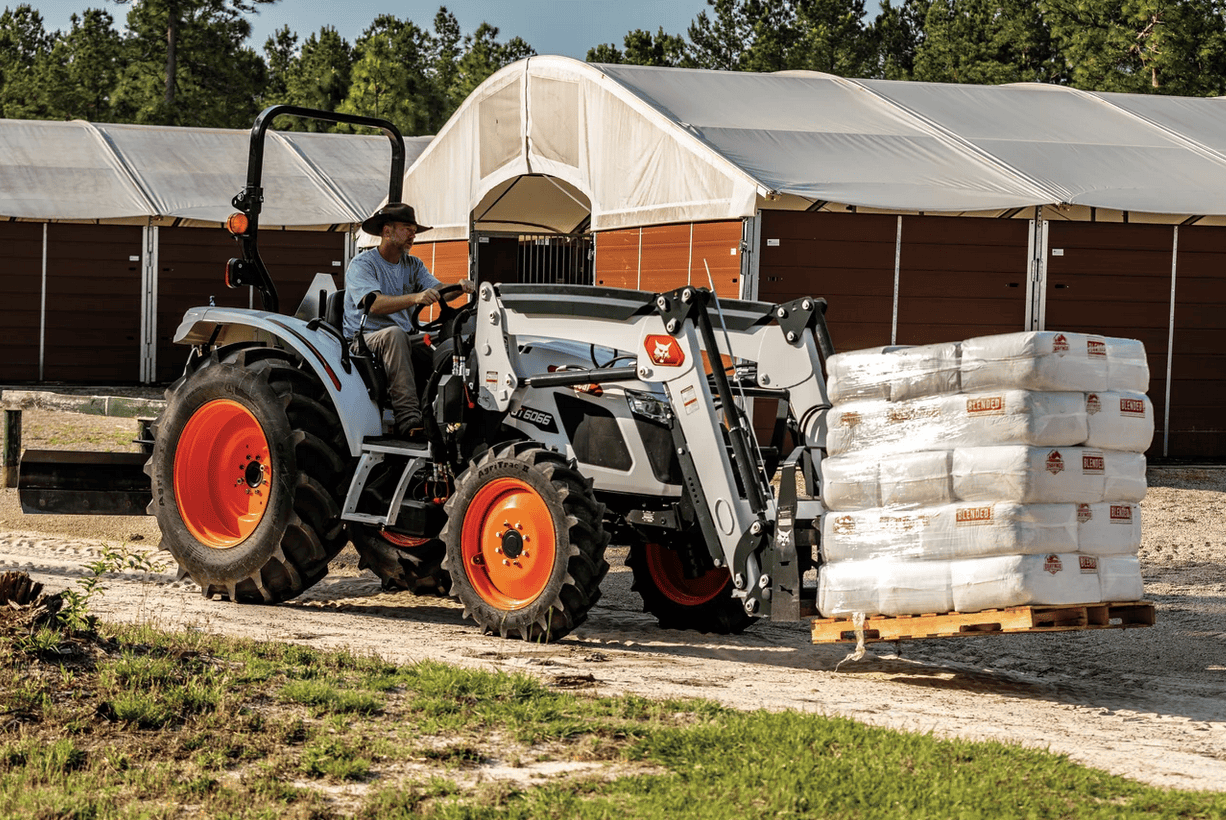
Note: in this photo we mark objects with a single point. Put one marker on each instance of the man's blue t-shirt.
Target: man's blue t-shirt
(369, 271)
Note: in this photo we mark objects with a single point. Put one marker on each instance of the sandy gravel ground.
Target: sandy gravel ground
(1145, 703)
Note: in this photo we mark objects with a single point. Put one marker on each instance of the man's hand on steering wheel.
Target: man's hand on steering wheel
(445, 311)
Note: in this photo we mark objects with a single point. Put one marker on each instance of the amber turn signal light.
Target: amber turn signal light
(237, 224)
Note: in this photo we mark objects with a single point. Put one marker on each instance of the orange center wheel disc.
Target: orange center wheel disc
(508, 543)
(669, 574)
(222, 474)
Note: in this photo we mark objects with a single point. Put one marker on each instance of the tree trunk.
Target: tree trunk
(172, 41)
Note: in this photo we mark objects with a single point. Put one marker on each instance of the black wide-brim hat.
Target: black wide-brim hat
(392, 212)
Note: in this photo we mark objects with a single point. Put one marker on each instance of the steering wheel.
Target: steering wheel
(445, 311)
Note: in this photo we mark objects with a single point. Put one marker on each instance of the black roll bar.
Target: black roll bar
(250, 269)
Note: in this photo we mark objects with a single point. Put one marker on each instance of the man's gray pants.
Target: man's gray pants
(391, 344)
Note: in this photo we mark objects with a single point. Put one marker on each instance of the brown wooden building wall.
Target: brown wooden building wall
(191, 268)
(93, 304)
(848, 259)
(1198, 378)
(1116, 279)
(961, 277)
(21, 287)
(664, 257)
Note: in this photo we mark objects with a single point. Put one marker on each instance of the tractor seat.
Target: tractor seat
(334, 311)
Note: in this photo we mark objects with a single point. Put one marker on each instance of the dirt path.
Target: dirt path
(1145, 703)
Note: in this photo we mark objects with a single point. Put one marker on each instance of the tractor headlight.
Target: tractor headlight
(648, 406)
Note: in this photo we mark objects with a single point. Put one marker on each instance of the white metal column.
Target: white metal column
(42, 310)
(897, 272)
(1036, 304)
(1170, 348)
(149, 304)
(751, 256)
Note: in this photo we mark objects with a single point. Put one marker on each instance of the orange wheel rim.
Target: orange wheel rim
(222, 474)
(669, 574)
(403, 541)
(508, 544)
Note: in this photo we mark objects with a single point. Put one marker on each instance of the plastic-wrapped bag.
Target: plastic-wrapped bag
(1109, 528)
(1020, 580)
(1119, 420)
(1035, 360)
(1006, 416)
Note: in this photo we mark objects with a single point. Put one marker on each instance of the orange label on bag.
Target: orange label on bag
(849, 419)
(986, 406)
(1134, 408)
(844, 525)
(1093, 463)
(1121, 513)
(970, 516)
(1089, 564)
(1084, 513)
(1055, 462)
(1060, 343)
(1096, 347)
(903, 523)
(1052, 564)
(1093, 403)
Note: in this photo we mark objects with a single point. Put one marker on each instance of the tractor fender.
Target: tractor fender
(360, 416)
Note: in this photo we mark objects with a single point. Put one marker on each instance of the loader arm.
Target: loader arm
(668, 335)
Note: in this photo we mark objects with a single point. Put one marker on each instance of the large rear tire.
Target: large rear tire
(402, 562)
(525, 543)
(702, 604)
(245, 471)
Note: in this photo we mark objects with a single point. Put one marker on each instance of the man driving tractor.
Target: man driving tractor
(402, 282)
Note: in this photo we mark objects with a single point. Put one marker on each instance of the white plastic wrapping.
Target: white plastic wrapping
(1029, 475)
(950, 531)
(884, 587)
(859, 374)
(894, 373)
(1021, 580)
(915, 479)
(1120, 420)
(1120, 578)
(1036, 360)
(1123, 476)
(1127, 366)
(1014, 482)
(1109, 528)
(965, 419)
(850, 483)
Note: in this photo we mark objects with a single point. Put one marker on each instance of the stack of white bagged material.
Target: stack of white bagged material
(1000, 471)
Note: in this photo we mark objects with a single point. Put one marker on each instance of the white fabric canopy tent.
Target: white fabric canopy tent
(639, 145)
(133, 174)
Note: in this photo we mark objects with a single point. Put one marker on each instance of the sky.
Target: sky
(566, 27)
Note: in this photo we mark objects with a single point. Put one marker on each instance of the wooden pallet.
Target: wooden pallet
(1010, 620)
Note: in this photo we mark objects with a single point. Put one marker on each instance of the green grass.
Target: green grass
(159, 725)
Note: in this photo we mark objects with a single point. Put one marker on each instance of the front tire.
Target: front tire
(525, 543)
(244, 473)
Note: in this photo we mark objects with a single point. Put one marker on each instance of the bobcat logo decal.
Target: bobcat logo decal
(664, 351)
